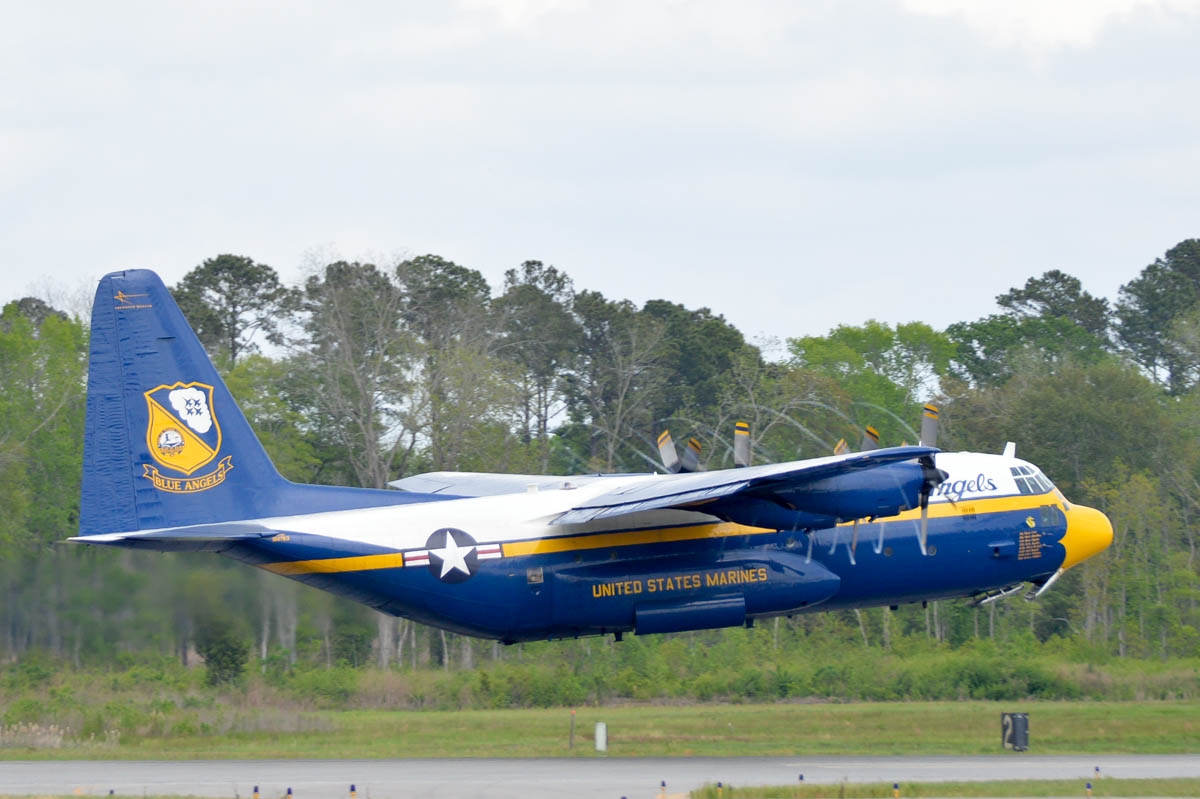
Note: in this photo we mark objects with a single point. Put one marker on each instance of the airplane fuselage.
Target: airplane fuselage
(170, 463)
(512, 575)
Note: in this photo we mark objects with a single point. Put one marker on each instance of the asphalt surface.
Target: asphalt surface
(610, 778)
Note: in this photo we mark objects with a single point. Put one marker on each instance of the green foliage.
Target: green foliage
(1149, 306)
(415, 366)
(41, 422)
(260, 387)
(325, 686)
(885, 371)
(224, 654)
(229, 299)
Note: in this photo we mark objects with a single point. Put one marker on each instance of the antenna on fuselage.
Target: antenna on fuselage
(1010, 450)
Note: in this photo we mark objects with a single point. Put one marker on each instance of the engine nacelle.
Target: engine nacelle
(880, 492)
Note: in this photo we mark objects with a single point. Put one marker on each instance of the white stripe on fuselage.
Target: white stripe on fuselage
(527, 515)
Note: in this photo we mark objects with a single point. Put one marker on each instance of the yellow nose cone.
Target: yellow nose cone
(1089, 532)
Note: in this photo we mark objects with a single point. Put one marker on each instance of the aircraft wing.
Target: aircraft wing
(779, 482)
(195, 538)
(486, 484)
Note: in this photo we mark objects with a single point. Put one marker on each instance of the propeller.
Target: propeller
(870, 439)
(841, 448)
(670, 458)
(929, 426)
(931, 478)
(666, 450)
(741, 444)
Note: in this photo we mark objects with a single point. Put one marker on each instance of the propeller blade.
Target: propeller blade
(870, 439)
(841, 448)
(924, 524)
(666, 450)
(854, 542)
(929, 426)
(741, 444)
(933, 477)
(691, 456)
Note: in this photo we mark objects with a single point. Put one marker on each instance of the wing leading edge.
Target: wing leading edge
(810, 493)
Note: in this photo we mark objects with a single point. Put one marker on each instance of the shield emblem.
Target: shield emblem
(182, 432)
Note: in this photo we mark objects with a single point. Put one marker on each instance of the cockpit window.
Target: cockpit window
(1030, 481)
(1052, 516)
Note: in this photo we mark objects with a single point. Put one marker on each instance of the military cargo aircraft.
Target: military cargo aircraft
(171, 464)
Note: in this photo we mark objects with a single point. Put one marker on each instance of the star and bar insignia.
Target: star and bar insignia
(451, 555)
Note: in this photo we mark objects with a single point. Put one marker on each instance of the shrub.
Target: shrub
(326, 686)
(224, 655)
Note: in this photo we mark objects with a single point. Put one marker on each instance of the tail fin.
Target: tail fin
(166, 445)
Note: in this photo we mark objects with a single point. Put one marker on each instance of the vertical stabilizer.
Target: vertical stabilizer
(166, 445)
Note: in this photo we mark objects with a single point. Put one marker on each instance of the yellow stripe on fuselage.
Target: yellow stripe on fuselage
(940, 510)
(661, 535)
(359, 563)
(545, 546)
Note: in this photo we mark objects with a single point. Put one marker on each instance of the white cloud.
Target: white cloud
(1048, 24)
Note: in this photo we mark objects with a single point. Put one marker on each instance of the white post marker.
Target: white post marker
(601, 736)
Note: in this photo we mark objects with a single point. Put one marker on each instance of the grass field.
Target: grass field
(1000, 788)
(659, 730)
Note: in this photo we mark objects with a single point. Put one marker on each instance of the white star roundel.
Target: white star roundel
(453, 555)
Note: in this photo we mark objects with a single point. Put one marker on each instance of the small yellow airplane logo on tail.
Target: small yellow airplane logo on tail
(126, 300)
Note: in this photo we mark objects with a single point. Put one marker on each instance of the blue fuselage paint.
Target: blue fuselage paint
(589, 591)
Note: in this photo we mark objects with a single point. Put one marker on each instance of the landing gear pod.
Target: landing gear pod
(705, 614)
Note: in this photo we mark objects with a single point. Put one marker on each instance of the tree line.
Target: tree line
(363, 373)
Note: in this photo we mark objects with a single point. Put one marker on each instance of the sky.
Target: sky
(791, 165)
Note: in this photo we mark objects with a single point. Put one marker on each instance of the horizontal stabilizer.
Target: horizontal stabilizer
(195, 538)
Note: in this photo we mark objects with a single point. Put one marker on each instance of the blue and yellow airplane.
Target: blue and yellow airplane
(170, 463)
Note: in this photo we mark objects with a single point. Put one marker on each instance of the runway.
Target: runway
(548, 778)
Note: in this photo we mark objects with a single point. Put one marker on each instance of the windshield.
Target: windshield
(1030, 481)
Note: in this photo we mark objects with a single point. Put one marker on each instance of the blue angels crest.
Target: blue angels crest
(183, 434)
